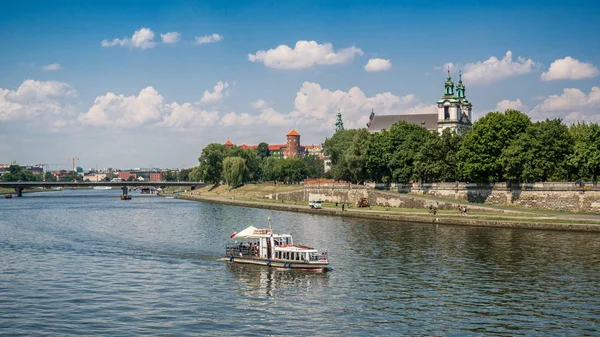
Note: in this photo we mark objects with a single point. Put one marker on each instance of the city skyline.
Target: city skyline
(134, 84)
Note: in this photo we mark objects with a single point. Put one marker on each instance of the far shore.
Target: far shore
(519, 218)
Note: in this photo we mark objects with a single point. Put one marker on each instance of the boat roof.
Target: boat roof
(256, 233)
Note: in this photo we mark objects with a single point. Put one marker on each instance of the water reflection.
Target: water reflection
(259, 280)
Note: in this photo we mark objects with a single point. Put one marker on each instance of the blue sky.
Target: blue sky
(96, 80)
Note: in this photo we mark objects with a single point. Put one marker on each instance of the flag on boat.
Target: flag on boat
(232, 235)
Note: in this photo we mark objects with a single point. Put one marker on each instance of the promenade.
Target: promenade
(494, 217)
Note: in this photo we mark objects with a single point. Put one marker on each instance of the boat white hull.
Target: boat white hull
(280, 263)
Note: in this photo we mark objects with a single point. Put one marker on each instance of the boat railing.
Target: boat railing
(241, 250)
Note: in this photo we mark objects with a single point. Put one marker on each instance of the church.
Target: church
(454, 112)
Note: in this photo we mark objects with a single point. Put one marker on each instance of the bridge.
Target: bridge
(19, 186)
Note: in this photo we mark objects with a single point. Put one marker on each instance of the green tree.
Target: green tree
(184, 174)
(170, 175)
(314, 166)
(16, 173)
(48, 176)
(131, 178)
(354, 158)
(294, 170)
(479, 155)
(211, 162)
(407, 140)
(234, 169)
(437, 159)
(539, 154)
(272, 169)
(379, 151)
(263, 150)
(195, 174)
(335, 149)
(586, 151)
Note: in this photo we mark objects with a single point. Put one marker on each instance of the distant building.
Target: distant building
(454, 112)
(291, 149)
(155, 177)
(125, 175)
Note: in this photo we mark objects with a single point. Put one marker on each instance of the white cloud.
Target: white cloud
(572, 105)
(170, 38)
(305, 54)
(378, 65)
(126, 111)
(147, 108)
(506, 104)
(35, 99)
(53, 66)
(142, 39)
(494, 69)
(188, 116)
(569, 69)
(315, 108)
(208, 38)
(259, 104)
(217, 93)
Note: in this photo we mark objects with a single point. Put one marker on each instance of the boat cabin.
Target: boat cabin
(265, 244)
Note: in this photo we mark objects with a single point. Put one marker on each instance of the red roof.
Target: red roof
(293, 133)
(249, 147)
(276, 147)
(228, 143)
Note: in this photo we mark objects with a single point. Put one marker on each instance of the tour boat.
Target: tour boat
(266, 248)
(102, 187)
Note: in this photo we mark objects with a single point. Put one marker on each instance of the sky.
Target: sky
(142, 84)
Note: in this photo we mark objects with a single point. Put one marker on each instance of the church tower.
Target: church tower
(339, 124)
(454, 111)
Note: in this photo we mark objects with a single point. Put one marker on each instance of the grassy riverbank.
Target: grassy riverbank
(253, 196)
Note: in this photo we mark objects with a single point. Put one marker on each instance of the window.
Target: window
(446, 112)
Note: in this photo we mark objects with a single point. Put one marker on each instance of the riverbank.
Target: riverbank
(481, 218)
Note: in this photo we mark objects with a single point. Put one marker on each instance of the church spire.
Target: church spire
(460, 87)
(448, 86)
(339, 124)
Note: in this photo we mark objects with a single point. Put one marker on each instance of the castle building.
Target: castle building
(291, 149)
(293, 145)
(454, 112)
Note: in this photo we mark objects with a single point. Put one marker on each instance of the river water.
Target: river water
(86, 263)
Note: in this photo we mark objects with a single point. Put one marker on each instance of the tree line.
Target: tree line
(501, 146)
(236, 166)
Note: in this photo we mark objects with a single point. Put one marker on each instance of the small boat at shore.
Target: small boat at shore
(266, 248)
(102, 187)
(125, 197)
(8, 196)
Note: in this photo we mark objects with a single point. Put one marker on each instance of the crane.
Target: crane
(73, 159)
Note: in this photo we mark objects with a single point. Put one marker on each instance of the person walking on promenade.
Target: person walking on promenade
(343, 204)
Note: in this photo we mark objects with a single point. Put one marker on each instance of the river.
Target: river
(81, 262)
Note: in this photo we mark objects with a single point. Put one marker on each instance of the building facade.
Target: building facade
(454, 112)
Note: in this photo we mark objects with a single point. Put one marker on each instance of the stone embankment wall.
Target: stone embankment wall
(549, 196)
(580, 197)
